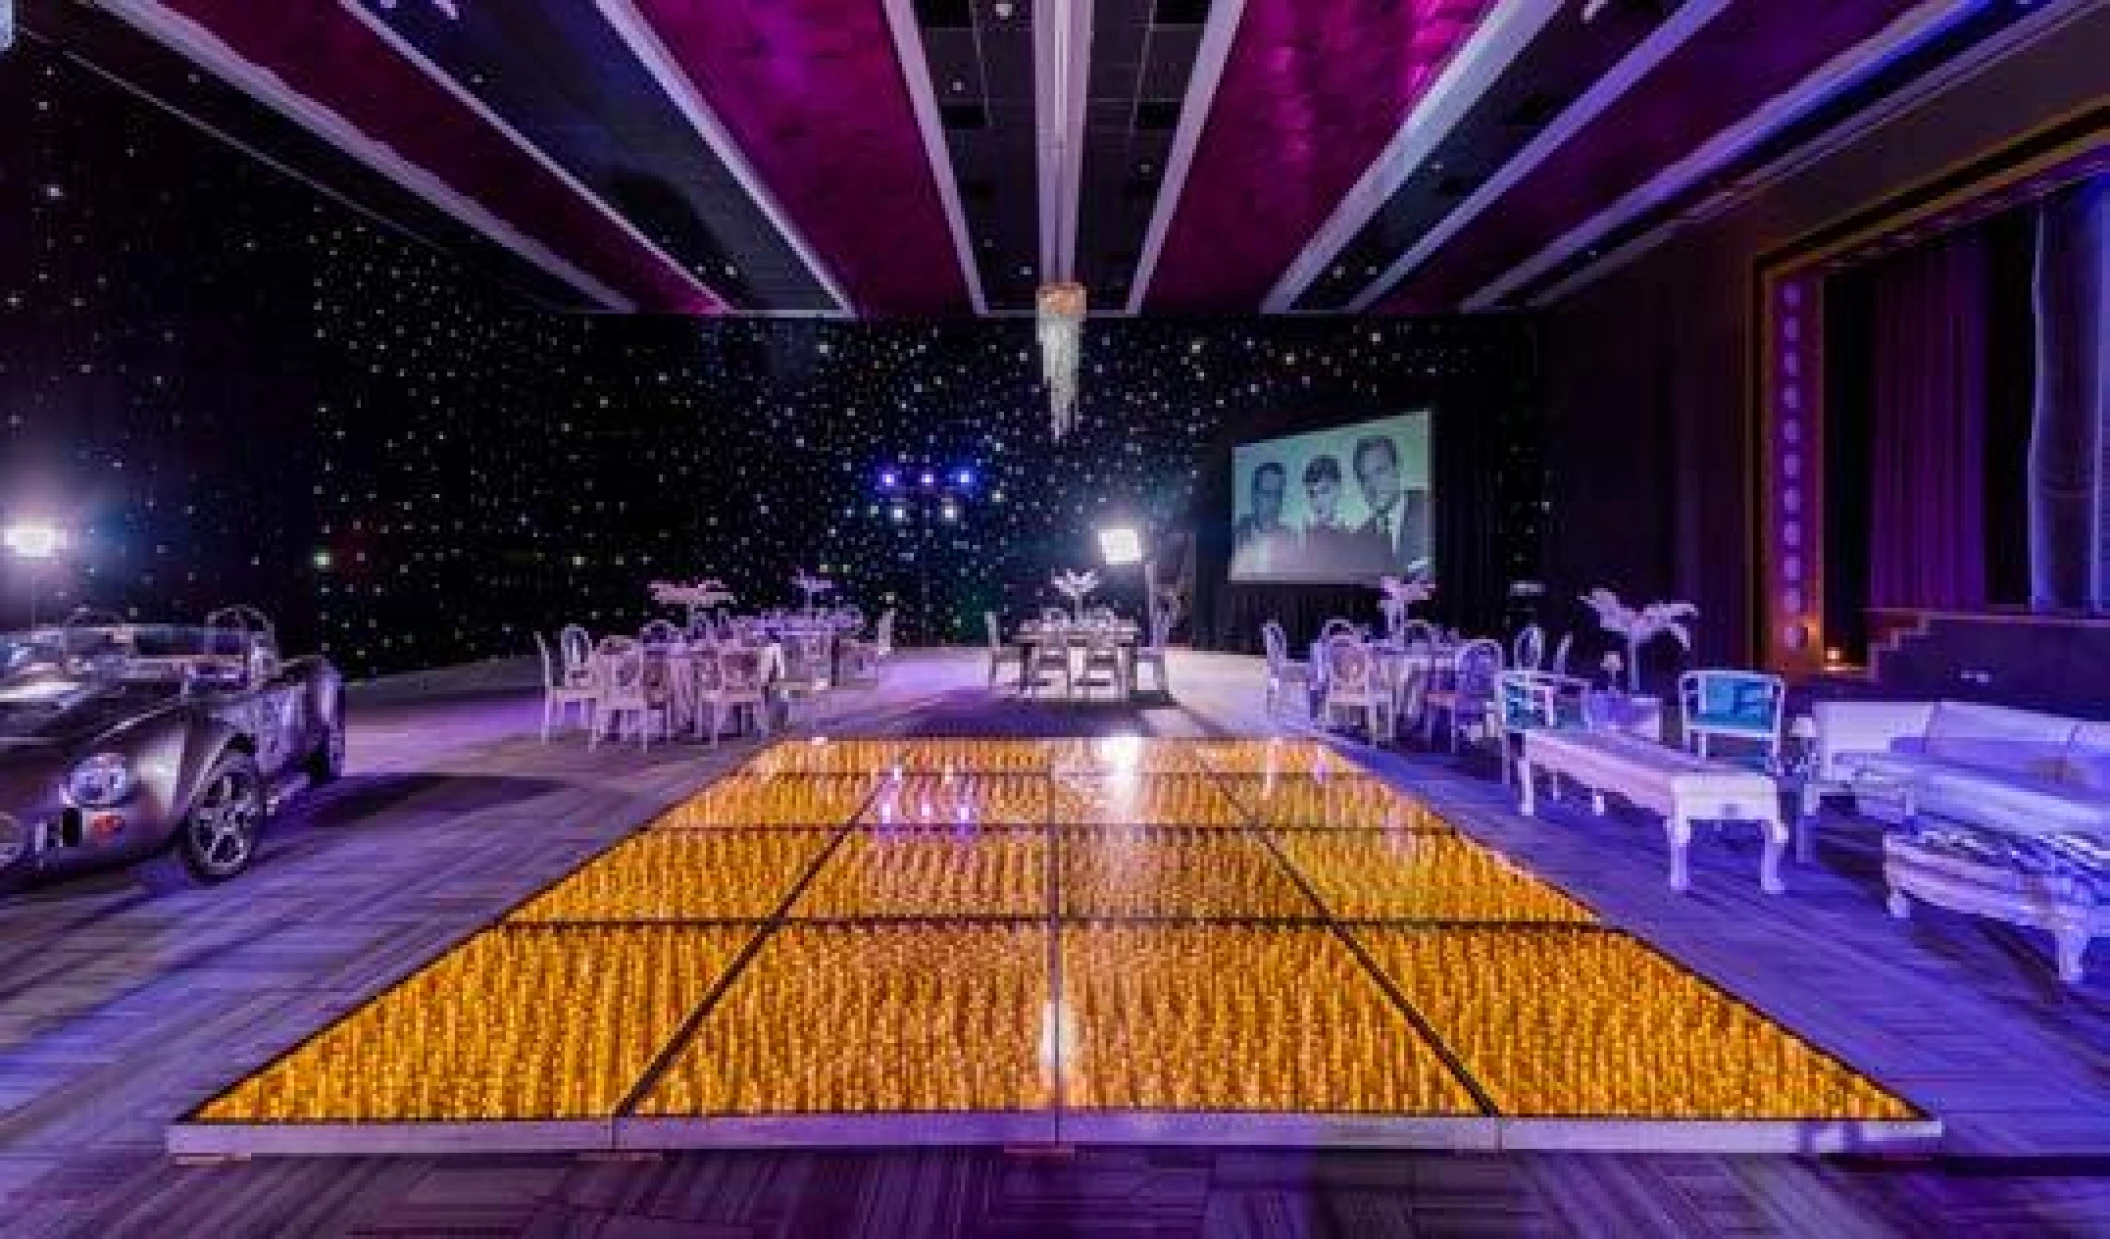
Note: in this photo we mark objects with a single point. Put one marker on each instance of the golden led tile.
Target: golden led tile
(880, 872)
(794, 800)
(1238, 1018)
(1180, 874)
(977, 756)
(1279, 757)
(1127, 755)
(872, 1019)
(1142, 800)
(957, 800)
(1352, 803)
(824, 755)
(1419, 876)
(522, 1022)
(1574, 1022)
(684, 875)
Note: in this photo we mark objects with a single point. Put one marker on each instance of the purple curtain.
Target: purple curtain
(1927, 449)
(2069, 479)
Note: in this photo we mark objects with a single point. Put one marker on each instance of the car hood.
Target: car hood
(36, 714)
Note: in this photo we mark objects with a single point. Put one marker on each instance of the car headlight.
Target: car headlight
(100, 781)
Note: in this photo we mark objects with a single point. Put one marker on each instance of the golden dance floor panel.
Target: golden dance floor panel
(961, 941)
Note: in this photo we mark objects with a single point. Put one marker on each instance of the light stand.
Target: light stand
(34, 542)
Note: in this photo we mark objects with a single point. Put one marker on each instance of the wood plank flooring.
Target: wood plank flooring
(120, 1010)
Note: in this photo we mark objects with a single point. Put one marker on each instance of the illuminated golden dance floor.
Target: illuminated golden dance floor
(956, 941)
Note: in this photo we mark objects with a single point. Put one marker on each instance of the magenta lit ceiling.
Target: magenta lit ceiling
(941, 158)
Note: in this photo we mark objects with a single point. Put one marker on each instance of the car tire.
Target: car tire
(218, 835)
(326, 763)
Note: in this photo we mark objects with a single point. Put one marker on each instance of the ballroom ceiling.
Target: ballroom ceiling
(937, 158)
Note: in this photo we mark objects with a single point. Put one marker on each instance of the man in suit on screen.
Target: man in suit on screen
(1396, 537)
(1329, 544)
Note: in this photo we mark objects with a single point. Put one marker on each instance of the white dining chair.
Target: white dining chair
(883, 634)
(1529, 648)
(1282, 670)
(1353, 684)
(1471, 694)
(1049, 651)
(737, 680)
(560, 692)
(631, 689)
(1102, 652)
(1153, 654)
(1001, 653)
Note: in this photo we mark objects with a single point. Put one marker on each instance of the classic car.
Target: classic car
(156, 745)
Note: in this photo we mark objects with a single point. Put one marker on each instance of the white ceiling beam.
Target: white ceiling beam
(1214, 53)
(1835, 75)
(915, 71)
(643, 40)
(207, 50)
(445, 81)
(1062, 65)
(1636, 65)
(1487, 54)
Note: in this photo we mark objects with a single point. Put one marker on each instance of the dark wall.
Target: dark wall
(1648, 368)
(243, 390)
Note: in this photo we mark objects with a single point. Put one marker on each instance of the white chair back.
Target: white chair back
(1417, 632)
(550, 679)
(1529, 649)
(659, 633)
(996, 637)
(1560, 653)
(1276, 642)
(1479, 667)
(1338, 627)
(883, 633)
(1349, 665)
(576, 645)
(741, 668)
(622, 663)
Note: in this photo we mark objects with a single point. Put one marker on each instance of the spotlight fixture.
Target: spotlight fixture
(1120, 544)
(964, 478)
(34, 539)
(889, 479)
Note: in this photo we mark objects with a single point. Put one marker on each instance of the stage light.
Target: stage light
(964, 478)
(1120, 544)
(929, 479)
(889, 479)
(899, 512)
(34, 539)
(949, 511)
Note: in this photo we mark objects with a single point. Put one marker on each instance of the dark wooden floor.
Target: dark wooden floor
(122, 1010)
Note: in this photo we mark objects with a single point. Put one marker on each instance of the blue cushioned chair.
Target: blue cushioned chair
(1535, 699)
(1739, 705)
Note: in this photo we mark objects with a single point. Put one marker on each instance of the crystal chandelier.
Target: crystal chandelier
(1061, 320)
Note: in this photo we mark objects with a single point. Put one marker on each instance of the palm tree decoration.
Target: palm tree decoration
(1401, 593)
(1076, 586)
(1639, 627)
(697, 598)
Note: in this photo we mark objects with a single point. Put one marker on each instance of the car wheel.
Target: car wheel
(218, 835)
(326, 763)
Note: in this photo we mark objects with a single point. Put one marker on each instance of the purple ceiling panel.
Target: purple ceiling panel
(814, 96)
(1311, 93)
(1755, 50)
(327, 55)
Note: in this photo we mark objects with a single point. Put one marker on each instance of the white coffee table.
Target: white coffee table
(1681, 787)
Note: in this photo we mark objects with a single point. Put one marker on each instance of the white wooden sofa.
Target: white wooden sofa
(2001, 812)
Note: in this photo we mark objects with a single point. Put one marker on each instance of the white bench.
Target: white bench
(1683, 788)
